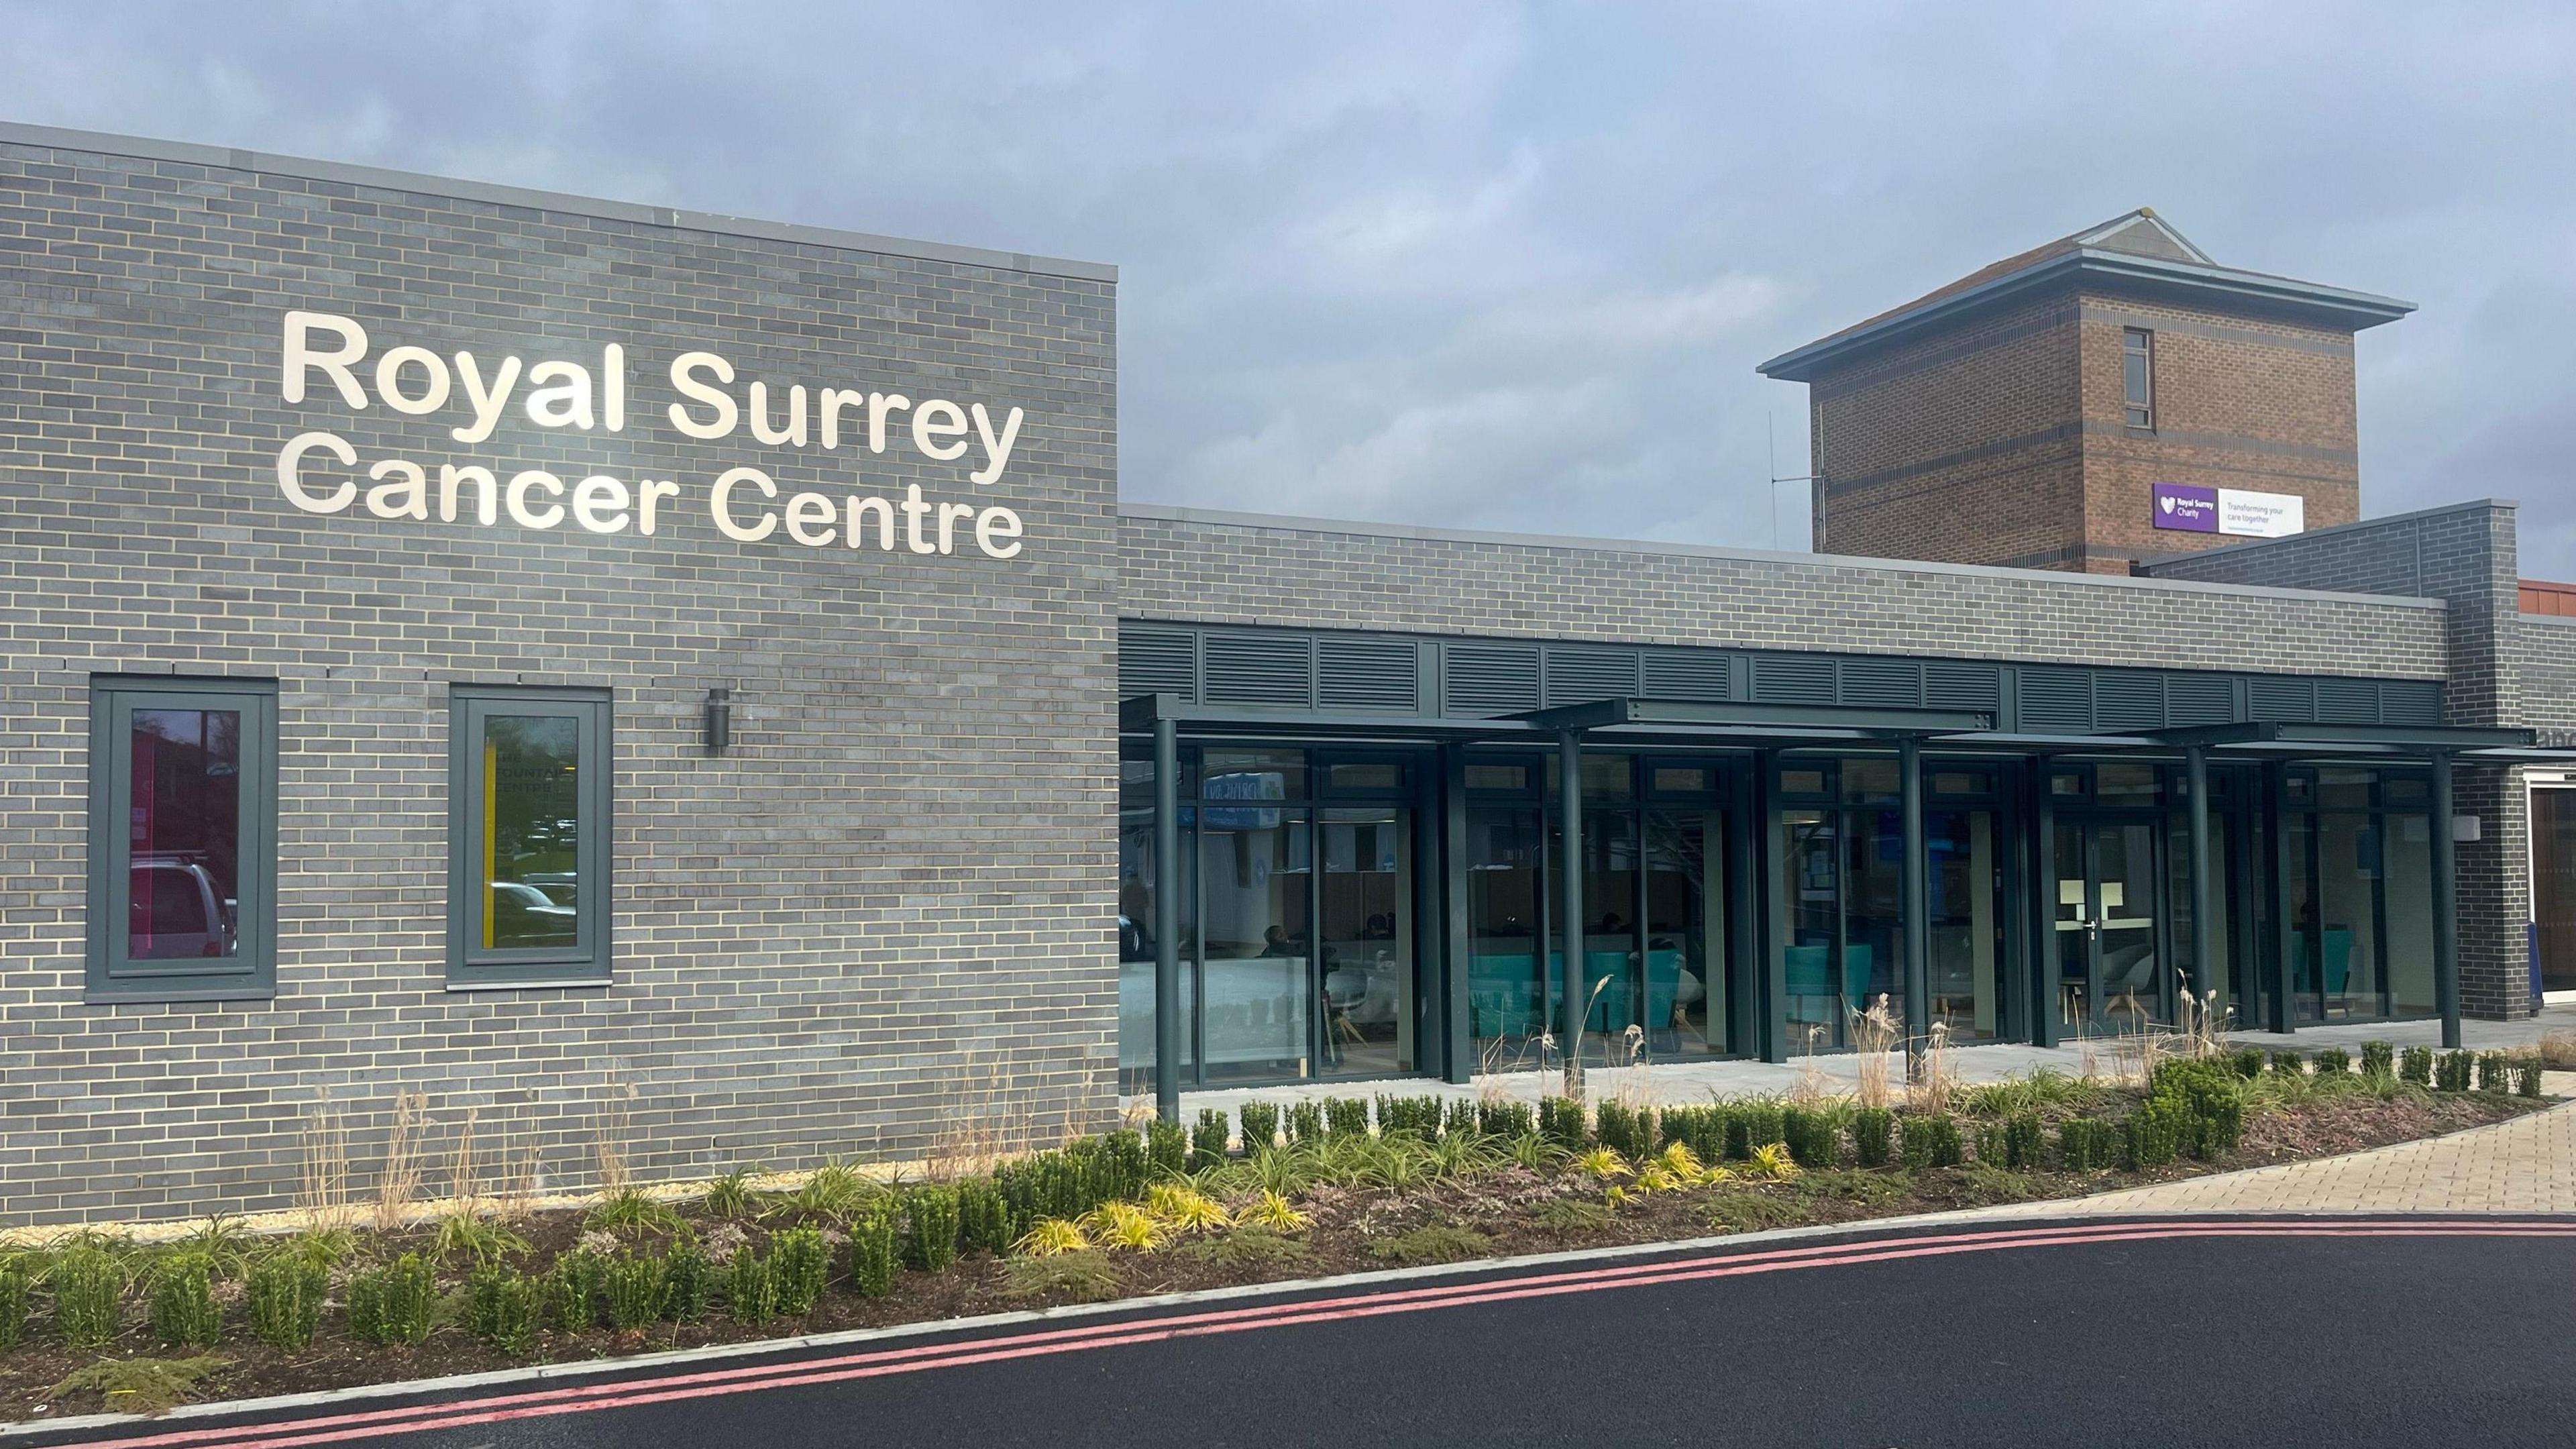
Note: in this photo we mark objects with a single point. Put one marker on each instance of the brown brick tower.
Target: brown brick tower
(2024, 414)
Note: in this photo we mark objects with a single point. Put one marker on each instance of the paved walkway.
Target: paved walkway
(1675, 1083)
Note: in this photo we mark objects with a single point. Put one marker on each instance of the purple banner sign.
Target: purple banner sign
(2187, 507)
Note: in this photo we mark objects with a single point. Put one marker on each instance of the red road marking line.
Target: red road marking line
(637, 1392)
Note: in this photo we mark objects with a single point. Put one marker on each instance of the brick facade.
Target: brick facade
(897, 889)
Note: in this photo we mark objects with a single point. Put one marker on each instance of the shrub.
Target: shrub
(2084, 1144)
(2248, 1061)
(1701, 1129)
(1810, 1136)
(1560, 1121)
(1872, 1128)
(1626, 1130)
(89, 1288)
(1260, 1125)
(570, 1293)
(1209, 1138)
(2151, 1135)
(2417, 1066)
(2379, 1061)
(1749, 1125)
(1305, 1121)
(2526, 1077)
(984, 1219)
(1167, 1148)
(2495, 1072)
(2022, 1141)
(502, 1309)
(2288, 1064)
(634, 1287)
(183, 1302)
(685, 1281)
(1121, 1167)
(1346, 1117)
(751, 1294)
(2332, 1062)
(2451, 1073)
(800, 1262)
(1507, 1120)
(394, 1303)
(930, 1215)
(1462, 1117)
(13, 1308)
(872, 1259)
(2210, 1104)
(1931, 1140)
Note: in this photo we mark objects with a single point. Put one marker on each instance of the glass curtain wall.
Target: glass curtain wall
(1967, 971)
(2357, 847)
(1136, 945)
(2553, 885)
(2226, 897)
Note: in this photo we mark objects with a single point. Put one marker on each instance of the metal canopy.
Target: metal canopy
(1141, 712)
(2297, 733)
(1775, 719)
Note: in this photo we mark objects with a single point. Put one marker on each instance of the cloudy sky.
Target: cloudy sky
(1495, 265)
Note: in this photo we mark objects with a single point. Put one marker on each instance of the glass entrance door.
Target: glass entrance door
(2110, 956)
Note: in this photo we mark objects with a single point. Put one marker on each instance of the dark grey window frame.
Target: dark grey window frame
(251, 973)
(471, 968)
(2139, 406)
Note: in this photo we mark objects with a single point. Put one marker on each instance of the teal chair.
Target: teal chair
(1856, 964)
(1503, 995)
(1663, 986)
(1810, 975)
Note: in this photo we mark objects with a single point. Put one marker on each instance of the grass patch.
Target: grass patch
(1981, 1183)
(1862, 1189)
(1085, 1276)
(1437, 1243)
(1573, 1215)
(1247, 1248)
(1750, 1212)
(141, 1385)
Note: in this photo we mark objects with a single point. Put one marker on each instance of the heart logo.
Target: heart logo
(2165, 503)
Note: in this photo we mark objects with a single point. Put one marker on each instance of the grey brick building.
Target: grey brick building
(578, 660)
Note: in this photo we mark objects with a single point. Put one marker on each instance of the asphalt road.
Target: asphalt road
(2411, 1334)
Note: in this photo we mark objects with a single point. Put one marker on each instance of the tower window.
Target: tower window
(2138, 375)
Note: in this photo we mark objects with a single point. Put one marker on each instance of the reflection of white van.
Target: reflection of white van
(173, 910)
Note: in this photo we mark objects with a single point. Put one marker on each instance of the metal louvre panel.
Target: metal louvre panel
(1491, 678)
(1158, 661)
(1793, 679)
(1260, 669)
(1962, 686)
(2128, 700)
(1576, 674)
(1884, 683)
(2410, 702)
(1698, 675)
(2199, 699)
(2056, 699)
(1367, 673)
(2348, 701)
(2282, 699)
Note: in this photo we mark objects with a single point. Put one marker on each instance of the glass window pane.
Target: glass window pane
(1802, 782)
(1963, 782)
(1506, 917)
(1870, 780)
(1254, 774)
(2128, 785)
(2133, 375)
(1255, 867)
(2348, 850)
(185, 834)
(1967, 922)
(1136, 951)
(1515, 778)
(2410, 913)
(1373, 775)
(1811, 879)
(1369, 930)
(1685, 932)
(531, 818)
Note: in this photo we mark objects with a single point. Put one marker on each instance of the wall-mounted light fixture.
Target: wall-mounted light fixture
(719, 719)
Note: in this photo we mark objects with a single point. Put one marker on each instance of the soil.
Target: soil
(1510, 1212)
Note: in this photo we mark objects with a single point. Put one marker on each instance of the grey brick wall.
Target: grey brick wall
(1241, 569)
(2466, 555)
(894, 894)
(2547, 652)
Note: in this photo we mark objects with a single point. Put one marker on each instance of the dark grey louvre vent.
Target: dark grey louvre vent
(2410, 702)
(1696, 675)
(1962, 686)
(1883, 683)
(1367, 673)
(1492, 678)
(2199, 699)
(1260, 669)
(2055, 701)
(1575, 675)
(1157, 661)
(2348, 701)
(1793, 679)
(2282, 699)
(2128, 700)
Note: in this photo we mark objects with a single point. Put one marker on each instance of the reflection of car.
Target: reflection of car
(174, 910)
(559, 885)
(523, 915)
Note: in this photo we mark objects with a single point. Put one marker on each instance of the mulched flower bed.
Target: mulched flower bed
(1501, 1209)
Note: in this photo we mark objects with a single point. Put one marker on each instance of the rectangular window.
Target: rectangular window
(528, 837)
(2138, 375)
(183, 839)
